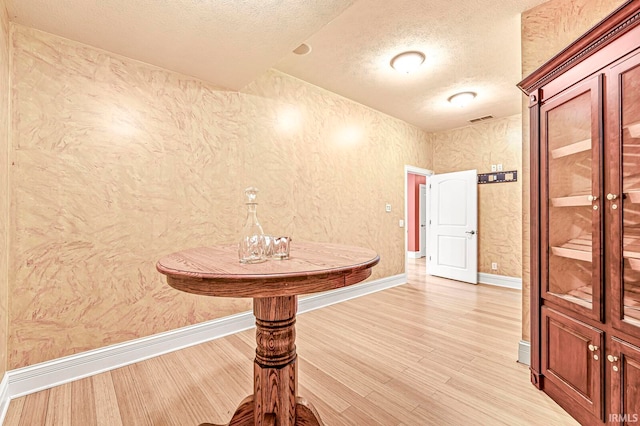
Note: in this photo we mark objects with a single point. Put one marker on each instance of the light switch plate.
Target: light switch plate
(499, 167)
(387, 208)
(493, 167)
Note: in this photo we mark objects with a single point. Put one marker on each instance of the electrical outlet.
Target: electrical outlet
(493, 167)
(494, 266)
(401, 223)
(499, 167)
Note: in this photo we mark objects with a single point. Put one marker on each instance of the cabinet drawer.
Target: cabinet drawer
(569, 352)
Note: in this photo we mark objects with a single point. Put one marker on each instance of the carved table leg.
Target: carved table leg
(276, 367)
(274, 401)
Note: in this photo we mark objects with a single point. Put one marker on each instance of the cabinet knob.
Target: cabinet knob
(611, 196)
(593, 197)
(612, 358)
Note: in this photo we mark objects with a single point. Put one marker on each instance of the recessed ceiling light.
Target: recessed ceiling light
(407, 62)
(303, 49)
(462, 99)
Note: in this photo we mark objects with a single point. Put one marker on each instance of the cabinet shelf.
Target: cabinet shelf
(632, 302)
(571, 201)
(634, 129)
(634, 195)
(632, 251)
(633, 312)
(577, 248)
(580, 249)
(573, 148)
(631, 246)
(584, 295)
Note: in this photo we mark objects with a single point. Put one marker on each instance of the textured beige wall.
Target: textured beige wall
(4, 175)
(546, 30)
(118, 163)
(477, 147)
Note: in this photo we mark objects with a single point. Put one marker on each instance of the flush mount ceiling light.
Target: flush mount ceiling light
(462, 99)
(407, 62)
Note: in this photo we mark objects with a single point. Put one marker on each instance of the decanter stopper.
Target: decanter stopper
(252, 243)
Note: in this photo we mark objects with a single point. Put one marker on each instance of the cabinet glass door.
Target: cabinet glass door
(570, 157)
(623, 194)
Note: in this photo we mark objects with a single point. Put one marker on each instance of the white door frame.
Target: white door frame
(422, 208)
(415, 171)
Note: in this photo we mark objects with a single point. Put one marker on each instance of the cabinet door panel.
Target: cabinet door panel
(568, 358)
(571, 152)
(624, 362)
(623, 193)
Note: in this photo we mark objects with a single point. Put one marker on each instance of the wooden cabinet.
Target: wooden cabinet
(585, 222)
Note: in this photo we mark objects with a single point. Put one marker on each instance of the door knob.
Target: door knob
(612, 358)
(592, 197)
(611, 196)
(593, 348)
(470, 232)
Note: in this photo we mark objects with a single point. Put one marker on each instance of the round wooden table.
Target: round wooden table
(274, 286)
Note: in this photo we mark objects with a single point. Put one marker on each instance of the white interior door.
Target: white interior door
(453, 227)
(423, 220)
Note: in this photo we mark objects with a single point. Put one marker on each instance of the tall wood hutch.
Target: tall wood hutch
(585, 222)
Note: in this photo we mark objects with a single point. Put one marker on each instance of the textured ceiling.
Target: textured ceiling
(226, 42)
(471, 45)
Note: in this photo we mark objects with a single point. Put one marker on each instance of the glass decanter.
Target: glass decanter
(252, 242)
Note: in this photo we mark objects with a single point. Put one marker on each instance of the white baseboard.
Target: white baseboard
(4, 397)
(414, 255)
(23, 381)
(500, 280)
(524, 352)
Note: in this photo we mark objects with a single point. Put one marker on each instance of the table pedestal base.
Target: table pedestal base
(306, 415)
(275, 370)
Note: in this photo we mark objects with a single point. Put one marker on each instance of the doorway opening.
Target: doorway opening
(415, 212)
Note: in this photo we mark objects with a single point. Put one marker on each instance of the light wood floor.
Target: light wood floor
(430, 352)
